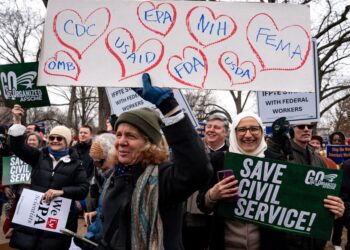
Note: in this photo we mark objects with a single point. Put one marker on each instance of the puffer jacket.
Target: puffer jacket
(83, 150)
(68, 175)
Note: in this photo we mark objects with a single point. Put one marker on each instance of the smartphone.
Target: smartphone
(222, 174)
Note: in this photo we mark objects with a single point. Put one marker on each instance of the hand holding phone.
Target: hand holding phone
(226, 189)
(222, 174)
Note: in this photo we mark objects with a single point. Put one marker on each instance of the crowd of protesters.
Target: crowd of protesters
(151, 183)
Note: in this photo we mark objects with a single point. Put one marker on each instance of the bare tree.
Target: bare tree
(332, 31)
(340, 115)
(82, 105)
(104, 109)
(203, 104)
(20, 30)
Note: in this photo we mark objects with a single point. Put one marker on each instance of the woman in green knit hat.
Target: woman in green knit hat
(142, 207)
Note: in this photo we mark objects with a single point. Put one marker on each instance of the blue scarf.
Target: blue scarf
(58, 154)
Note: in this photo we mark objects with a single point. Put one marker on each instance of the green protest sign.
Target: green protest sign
(15, 171)
(18, 86)
(282, 196)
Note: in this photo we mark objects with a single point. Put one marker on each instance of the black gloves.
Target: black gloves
(163, 98)
(280, 135)
(280, 129)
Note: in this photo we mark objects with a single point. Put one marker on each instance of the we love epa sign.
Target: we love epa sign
(182, 44)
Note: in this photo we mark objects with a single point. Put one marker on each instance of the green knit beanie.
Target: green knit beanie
(146, 120)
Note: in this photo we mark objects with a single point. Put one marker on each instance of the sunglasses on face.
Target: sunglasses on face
(58, 138)
(302, 126)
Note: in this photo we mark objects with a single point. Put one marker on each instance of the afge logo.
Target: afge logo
(318, 178)
(20, 87)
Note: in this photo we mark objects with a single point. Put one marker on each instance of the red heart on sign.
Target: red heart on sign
(237, 73)
(62, 64)
(77, 34)
(277, 49)
(159, 19)
(209, 29)
(189, 69)
(133, 61)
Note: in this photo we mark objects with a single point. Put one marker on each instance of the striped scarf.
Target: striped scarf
(146, 223)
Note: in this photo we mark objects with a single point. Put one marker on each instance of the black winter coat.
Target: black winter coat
(83, 150)
(67, 176)
(276, 240)
(189, 170)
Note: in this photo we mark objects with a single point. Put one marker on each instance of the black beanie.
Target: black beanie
(146, 120)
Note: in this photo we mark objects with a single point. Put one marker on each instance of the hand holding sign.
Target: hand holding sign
(224, 189)
(163, 98)
(335, 205)
(50, 194)
(17, 113)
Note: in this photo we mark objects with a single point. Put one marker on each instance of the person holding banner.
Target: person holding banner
(57, 171)
(143, 201)
(247, 138)
(302, 153)
(337, 138)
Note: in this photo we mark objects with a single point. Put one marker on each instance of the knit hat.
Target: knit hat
(64, 132)
(101, 145)
(146, 120)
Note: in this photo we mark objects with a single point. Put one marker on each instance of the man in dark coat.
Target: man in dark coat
(301, 153)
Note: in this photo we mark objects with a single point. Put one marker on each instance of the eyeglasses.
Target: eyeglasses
(254, 130)
(302, 126)
(337, 140)
(58, 138)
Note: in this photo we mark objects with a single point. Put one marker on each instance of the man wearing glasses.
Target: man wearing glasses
(301, 153)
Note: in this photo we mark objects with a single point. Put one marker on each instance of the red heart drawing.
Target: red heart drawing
(121, 44)
(159, 19)
(237, 73)
(203, 30)
(62, 64)
(187, 66)
(277, 49)
(77, 34)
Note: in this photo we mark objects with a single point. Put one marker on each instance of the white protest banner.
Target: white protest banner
(182, 44)
(125, 99)
(31, 211)
(297, 107)
(15, 171)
